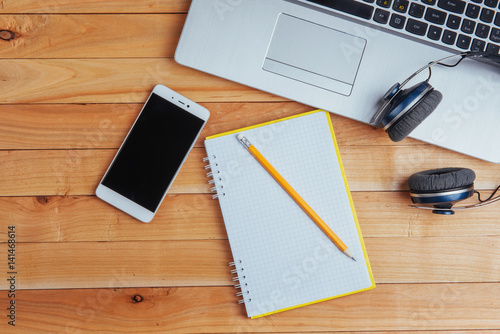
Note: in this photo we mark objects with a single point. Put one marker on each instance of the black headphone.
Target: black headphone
(439, 189)
(404, 109)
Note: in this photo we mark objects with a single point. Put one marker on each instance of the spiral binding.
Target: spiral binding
(243, 286)
(214, 174)
(216, 181)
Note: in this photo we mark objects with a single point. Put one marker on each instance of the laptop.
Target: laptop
(342, 56)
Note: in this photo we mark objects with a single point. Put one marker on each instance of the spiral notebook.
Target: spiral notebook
(282, 260)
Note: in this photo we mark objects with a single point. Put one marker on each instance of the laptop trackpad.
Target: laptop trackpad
(314, 54)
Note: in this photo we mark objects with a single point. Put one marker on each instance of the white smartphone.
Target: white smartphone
(152, 154)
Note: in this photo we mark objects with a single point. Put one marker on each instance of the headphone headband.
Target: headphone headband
(488, 57)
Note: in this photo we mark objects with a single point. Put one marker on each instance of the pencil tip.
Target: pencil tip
(346, 252)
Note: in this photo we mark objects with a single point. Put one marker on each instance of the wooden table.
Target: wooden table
(73, 77)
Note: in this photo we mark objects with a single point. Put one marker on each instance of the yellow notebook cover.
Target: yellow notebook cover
(282, 260)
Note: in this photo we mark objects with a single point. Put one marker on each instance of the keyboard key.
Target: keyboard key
(455, 6)
(487, 15)
(384, 3)
(468, 26)
(416, 27)
(435, 16)
(497, 19)
(381, 16)
(397, 21)
(352, 7)
(434, 33)
(473, 11)
(453, 21)
(482, 30)
(492, 48)
(491, 3)
(429, 2)
(463, 41)
(449, 37)
(495, 35)
(370, 1)
(478, 45)
(400, 6)
(416, 10)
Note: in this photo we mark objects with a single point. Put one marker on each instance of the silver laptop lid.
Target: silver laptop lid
(339, 64)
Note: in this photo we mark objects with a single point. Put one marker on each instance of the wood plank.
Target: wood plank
(368, 168)
(387, 214)
(67, 172)
(78, 172)
(197, 216)
(120, 264)
(64, 219)
(94, 6)
(389, 167)
(113, 81)
(483, 331)
(414, 260)
(390, 308)
(76, 126)
(63, 126)
(91, 36)
(205, 262)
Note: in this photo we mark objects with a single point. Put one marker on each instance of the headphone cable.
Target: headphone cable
(493, 194)
(462, 57)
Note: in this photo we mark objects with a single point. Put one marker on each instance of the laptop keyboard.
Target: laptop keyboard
(460, 25)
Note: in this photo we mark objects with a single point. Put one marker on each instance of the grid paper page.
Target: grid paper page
(282, 256)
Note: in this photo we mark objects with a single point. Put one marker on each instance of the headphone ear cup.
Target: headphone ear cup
(441, 188)
(413, 117)
(441, 179)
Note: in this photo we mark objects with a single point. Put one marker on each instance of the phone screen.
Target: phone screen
(152, 153)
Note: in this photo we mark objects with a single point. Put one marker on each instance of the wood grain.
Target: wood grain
(205, 262)
(389, 167)
(87, 218)
(77, 172)
(198, 217)
(112, 81)
(63, 126)
(390, 308)
(74, 77)
(94, 6)
(120, 264)
(91, 36)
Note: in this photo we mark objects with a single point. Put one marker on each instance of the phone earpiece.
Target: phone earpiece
(442, 188)
(408, 108)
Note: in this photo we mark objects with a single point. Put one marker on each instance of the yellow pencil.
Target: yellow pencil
(300, 201)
